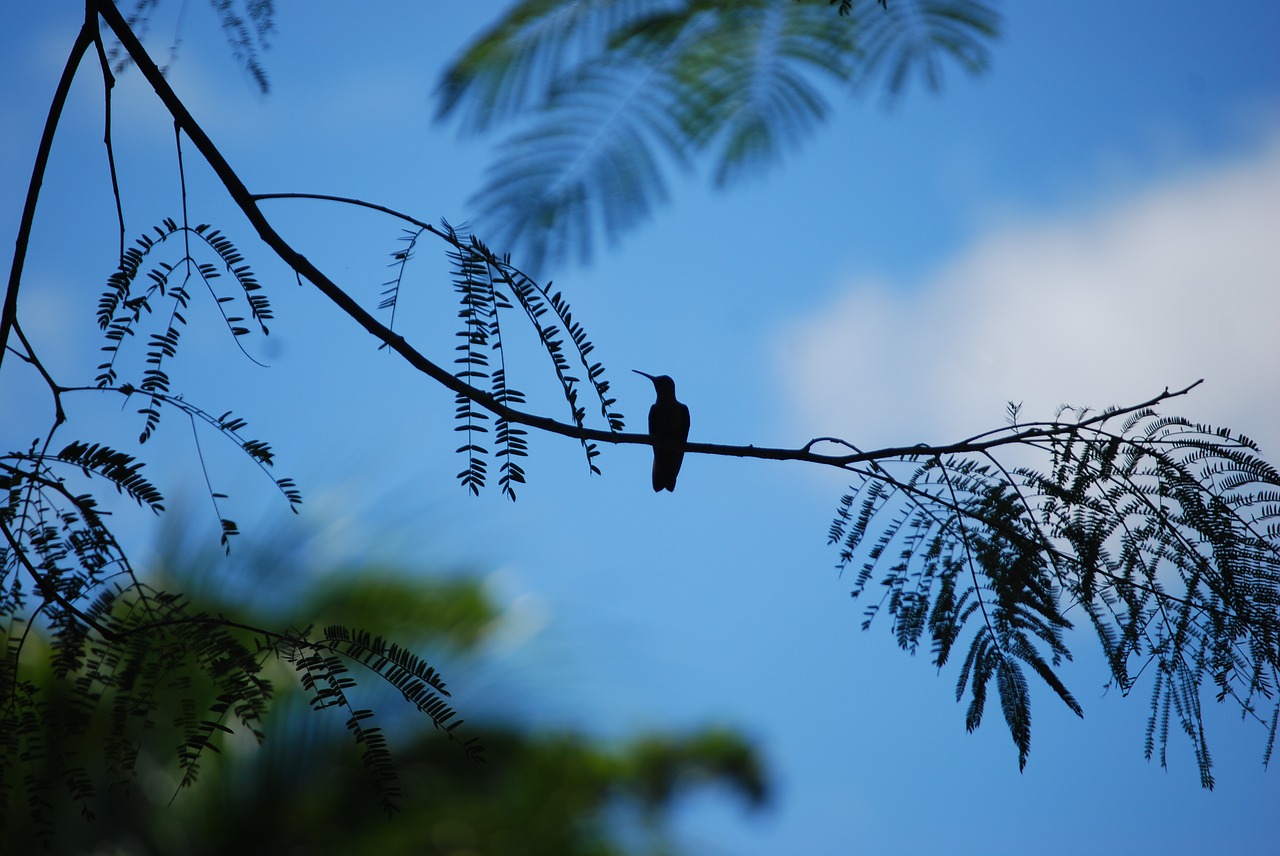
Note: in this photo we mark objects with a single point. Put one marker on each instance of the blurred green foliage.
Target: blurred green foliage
(304, 789)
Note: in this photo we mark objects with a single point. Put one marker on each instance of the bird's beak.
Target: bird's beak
(646, 374)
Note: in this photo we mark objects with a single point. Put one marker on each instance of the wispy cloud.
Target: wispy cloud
(1177, 282)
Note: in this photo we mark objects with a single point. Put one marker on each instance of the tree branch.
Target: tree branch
(84, 40)
(248, 204)
(49, 591)
(978, 443)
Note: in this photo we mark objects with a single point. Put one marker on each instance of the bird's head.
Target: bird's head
(662, 383)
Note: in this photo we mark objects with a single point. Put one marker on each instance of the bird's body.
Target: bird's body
(669, 428)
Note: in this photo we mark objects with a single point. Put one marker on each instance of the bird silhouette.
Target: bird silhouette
(669, 429)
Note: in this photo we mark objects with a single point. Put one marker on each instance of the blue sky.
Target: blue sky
(1092, 220)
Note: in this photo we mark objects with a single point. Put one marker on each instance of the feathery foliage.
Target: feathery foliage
(121, 309)
(604, 96)
(247, 26)
(321, 665)
(308, 785)
(483, 281)
(1161, 533)
(97, 662)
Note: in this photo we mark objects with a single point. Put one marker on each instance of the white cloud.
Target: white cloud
(1178, 282)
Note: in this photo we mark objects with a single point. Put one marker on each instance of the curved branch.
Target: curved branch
(248, 204)
(1019, 434)
(84, 40)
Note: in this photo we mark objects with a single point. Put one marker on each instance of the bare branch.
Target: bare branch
(84, 40)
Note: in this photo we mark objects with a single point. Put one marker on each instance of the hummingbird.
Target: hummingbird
(669, 429)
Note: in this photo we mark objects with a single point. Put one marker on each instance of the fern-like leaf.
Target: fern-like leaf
(1161, 531)
(604, 97)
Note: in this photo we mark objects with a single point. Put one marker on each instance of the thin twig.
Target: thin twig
(84, 40)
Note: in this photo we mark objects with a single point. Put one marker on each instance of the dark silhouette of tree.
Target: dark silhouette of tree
(1164, 534)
